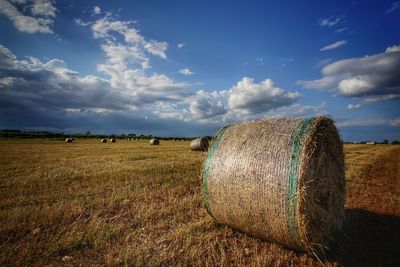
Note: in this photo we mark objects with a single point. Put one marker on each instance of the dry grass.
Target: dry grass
(88, 203)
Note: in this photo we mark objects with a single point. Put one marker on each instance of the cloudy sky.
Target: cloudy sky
(186, 68)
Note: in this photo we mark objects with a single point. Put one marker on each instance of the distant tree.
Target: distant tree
(385, 141)
(88, 133)
(395, 142)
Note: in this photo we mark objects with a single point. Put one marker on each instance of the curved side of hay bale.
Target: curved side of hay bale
(103, 140)
(199, 144)
(155, 142)
(279, 180)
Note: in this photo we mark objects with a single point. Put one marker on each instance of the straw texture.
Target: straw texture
(154, 142)
(278, 179)
(199, 144)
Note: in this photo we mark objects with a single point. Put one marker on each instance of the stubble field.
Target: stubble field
(129, 203)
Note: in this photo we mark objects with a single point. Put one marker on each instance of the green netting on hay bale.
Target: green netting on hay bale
(279, 180)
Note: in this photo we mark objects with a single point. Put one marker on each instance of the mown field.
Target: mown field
(129, 203)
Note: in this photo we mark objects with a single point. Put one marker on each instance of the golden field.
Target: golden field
(129, 203)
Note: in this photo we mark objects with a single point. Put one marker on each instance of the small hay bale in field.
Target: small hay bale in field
(103, 141)
(199, 144)
(154, 142)
(112, 140)
(278, 179)
(68, 140)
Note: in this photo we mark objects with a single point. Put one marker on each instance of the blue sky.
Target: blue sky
(186, 68)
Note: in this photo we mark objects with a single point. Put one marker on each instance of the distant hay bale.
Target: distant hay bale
(103, 141)
(199, 144)
(68, 140)
(112, 140)
(154, 142)
(278, 179)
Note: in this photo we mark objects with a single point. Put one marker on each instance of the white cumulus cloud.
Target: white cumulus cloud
(253, 97)
(375, 77)
(186, 72)
(395, 122)
(36, 16)
(206, 105)
(353, 106)
(334, 45)
(97, 10)
(329, 22)
(43, 8)
(394, 48)
(395, 6)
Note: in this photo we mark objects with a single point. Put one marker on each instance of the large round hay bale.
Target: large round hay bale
(68, 140)
(278, 179)
(112, 140)
(155, 142)
(199, 144)
(103, 140)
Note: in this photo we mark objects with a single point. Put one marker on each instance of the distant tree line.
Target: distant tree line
(394, 142)
(12, 133)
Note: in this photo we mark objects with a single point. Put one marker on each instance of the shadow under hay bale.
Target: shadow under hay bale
(279, 180)
(199, 144)
(367, 239)
(154, 142)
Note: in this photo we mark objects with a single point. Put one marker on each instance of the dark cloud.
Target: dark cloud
(370, 76)
(25, 118)
(48, 95)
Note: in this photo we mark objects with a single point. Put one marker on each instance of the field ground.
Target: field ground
(130, 203)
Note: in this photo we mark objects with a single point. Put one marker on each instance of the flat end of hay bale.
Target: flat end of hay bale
(199, 144)
(321, 185)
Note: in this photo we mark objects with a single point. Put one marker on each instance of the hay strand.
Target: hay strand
(279, 180)
(199, 144)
